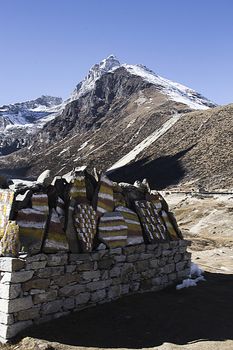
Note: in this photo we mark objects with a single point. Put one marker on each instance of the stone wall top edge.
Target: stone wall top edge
(14, 264)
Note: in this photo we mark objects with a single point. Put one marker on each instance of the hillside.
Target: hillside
(135, 124)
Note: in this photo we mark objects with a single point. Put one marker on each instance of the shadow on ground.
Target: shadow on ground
(161, 172)
(150, 319)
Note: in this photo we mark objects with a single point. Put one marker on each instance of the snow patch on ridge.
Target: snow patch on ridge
(175, 91)
(145, 143)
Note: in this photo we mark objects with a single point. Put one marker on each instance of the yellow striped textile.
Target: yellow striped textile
(6, 201)
(40, 202)
(55, 239)
(113, 230)
(32, 225)
(10, 242)
(119, 199)
(78, 190)
(170, 228)
(105, 201)
(133, 224)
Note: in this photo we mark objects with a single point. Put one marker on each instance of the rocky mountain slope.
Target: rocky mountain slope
(129, 120)
(19, 121)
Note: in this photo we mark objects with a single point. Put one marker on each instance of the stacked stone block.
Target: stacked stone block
(47, 286)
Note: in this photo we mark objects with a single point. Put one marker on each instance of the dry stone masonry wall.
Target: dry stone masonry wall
(47, 286)
(78, 240)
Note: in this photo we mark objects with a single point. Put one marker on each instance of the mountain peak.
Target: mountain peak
(109, 63)
(174, 91)
(106, 65)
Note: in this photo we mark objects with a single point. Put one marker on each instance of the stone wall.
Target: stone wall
(46, 286)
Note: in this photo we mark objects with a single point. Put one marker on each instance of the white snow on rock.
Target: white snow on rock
(196, 275)
(173, 90)
(35, 114)
(28, 114)
(107, 65)
(146, 143)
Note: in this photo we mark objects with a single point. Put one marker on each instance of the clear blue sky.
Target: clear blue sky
(48, 46)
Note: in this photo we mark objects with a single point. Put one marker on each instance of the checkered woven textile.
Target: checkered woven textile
(113, 230)
(85, 224)
(152, 223)
(155, 199)
(71, 233)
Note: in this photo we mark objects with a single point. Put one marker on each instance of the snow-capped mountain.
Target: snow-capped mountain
(45, 108)
(28, 112)
(19, 121)
(107, 65)
(118, 116)
(174, 91)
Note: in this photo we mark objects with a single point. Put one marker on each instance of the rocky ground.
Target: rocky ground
(189, 319)
(207, 220)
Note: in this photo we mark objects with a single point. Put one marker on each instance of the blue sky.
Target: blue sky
(48, 46)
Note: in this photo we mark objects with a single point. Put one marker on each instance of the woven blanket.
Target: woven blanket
(55, 239)
(152, 223)
(85, 224)
(133, 225)
(40, 202)
(113, 230)
(32, 224)
(105, 201)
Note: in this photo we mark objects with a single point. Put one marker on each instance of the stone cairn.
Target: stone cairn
(81, 213)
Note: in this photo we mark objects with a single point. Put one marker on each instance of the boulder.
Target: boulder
(23, 201)
(44, 179)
